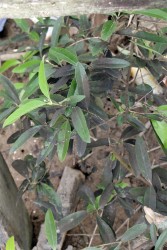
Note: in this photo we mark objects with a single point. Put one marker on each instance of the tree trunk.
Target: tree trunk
(44, 8)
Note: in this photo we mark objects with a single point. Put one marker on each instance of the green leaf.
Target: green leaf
(161, 241)
(80, 125)
(8, 64)
(64, 136)
(24, 137)
(23, 109)
(33, 35)
(143, 160)
(92, 248)
(71, 221)
(24, 67)
(160, 128)
(153, 233)
(50, 229)
(63, 54)
(134, 232)
(10, 244)
(10, 89)
(56, 31)
(82, 82)
(23, 24)
(157, 13)
(108, 29)
(42, 80)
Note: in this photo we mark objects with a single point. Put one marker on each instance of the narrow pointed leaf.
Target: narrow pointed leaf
(82, 82)
(134, 232)
(8, 64)
(80, 125)
(71, 221)
(45, 190)
(42, 80)
(64, 136)
(150, 198)
(132, 158)
(106, 233)
(50, 229)
(106, 195)
(63, 54)
(10, 244)
(23, 109)
(108, 29)
(27, 66)
(56, 31)
(143, 160)
(161, 241)
(10, 89)
(153, 233)
(24, 137)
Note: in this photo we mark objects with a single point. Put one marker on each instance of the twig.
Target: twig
(126, 221)
(5, 57)
(84, 39)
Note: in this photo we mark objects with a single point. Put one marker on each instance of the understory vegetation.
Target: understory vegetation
(92, 72)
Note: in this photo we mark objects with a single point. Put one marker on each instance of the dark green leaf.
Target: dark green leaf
(80, 146)
(10, 89)
(56, 31)
(86, 194)
(143, 35)
(104, 199)
(71, 221)
(150, 198)
(110, 63)
(134, 232)
(136, 123)
(143, 160)
(132, 158)
(21, 167)
(106, 232)
(80, 125)
(24, 137)
(108, 29)
(161, 241)
(6, 113)
(82, 82)
(50, 229)
(64, 136)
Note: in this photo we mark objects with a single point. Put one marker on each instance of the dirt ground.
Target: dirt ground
(80, 236)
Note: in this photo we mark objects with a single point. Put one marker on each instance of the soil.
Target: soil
(80, 236)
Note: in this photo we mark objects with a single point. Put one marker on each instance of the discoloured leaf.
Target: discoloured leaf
(71, 221)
